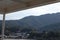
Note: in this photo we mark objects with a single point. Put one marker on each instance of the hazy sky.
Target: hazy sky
(52, 8)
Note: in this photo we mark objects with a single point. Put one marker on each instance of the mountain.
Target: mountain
(51, 27)
(35, 22)
(41, 21)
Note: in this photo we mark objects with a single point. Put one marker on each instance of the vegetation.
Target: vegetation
(45, 35)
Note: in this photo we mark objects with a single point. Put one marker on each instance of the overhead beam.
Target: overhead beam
(17, 6)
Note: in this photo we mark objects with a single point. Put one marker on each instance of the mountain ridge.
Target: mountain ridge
(36, 22)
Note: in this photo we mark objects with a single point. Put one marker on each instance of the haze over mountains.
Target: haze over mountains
(43, 22)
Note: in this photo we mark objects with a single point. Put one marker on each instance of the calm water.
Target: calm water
(19, 39)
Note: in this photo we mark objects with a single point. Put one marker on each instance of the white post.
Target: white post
(3, 26)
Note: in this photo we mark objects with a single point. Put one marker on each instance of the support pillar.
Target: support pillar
(3, 27)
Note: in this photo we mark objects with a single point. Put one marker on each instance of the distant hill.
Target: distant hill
(51, 27)
(41, 21)
(37, 22)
